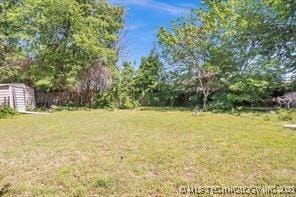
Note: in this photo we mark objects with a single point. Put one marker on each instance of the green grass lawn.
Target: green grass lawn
(140, 153)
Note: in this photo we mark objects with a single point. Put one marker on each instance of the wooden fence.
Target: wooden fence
(47, 99)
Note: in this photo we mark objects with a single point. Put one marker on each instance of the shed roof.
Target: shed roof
(14, 84)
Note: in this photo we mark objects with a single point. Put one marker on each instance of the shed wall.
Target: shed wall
(5, 96)
(30, 97)
(18, 96)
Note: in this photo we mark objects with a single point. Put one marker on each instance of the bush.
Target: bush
(128, 103)
(220, 103)
(105, 101)
(6, 111)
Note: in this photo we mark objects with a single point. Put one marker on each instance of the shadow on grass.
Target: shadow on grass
(266, 113)
(166, 109)
(258, 110)
(4, 189)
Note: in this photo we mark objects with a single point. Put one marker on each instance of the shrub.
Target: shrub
(6, 111)
(105, 101)
(220, 103)
(128, 103)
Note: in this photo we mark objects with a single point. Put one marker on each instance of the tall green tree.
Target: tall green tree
(126, 90)
(148, 77)
(64, 37)
(234, 48)
(122, 93)
(186, 47)
(260, 50)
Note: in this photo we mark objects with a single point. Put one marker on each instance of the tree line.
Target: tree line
(222, 55)
(236, 52)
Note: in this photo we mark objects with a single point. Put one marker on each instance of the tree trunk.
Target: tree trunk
(205, 100)
(88, 94)
(91, 98)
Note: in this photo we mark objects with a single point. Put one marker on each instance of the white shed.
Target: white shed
(18, 96)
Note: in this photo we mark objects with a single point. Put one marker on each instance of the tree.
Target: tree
(148, 77)
(64, 37)
(279, 38)
(11, 61)
(259, 51)
(122, 92)
(126, 90)
(96, 79)
(186, 47)
(228, 45)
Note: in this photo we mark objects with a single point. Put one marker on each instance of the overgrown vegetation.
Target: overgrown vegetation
(6, 112)
(59, 45)
(234, 52)
(223, 55)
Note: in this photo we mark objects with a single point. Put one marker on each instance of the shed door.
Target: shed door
(5, 96)
(19, 98)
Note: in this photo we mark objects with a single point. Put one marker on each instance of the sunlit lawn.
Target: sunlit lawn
(137, 153)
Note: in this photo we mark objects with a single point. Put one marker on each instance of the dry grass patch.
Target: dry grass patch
(87, 153)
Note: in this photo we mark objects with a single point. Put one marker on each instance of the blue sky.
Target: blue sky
(144, 17)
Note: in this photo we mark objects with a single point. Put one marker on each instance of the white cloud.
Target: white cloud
(176, 10)
(134, 26)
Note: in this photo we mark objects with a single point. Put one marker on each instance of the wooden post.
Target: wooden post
(14, 98)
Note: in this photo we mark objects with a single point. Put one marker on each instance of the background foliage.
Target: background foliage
(223, 55)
